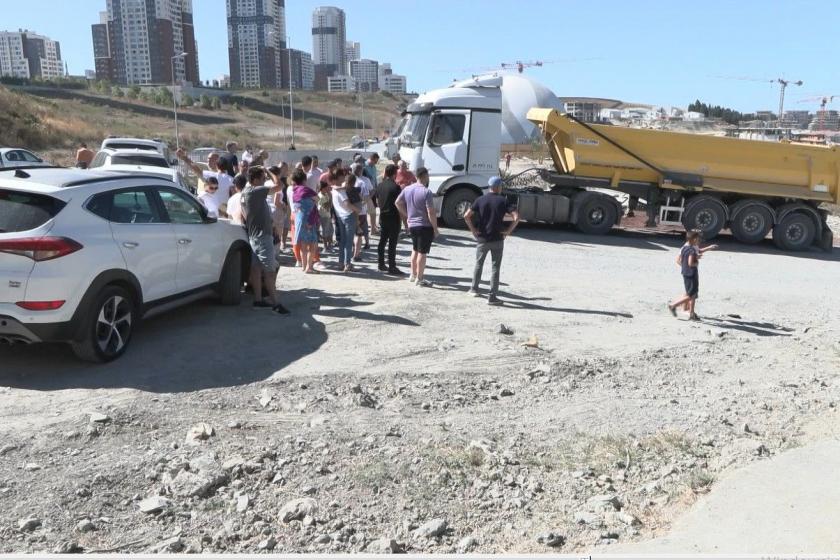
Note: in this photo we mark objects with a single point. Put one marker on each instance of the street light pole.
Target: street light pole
(175, 100)
(291, 105)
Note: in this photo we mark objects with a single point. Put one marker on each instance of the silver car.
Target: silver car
(17, 157)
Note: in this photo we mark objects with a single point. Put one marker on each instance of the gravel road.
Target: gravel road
(400, 419)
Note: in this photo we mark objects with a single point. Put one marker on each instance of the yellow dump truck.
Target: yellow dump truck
(703, 182)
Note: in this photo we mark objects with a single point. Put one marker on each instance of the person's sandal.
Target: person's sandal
(693, 317)
(672, 309)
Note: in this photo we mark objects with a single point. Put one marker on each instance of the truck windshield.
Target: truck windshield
(414, 131)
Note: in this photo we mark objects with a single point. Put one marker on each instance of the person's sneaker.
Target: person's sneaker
(395, 272)
(693, 317)
(423, 283)
(357, 259)
(262, 305)
(366, 247)
(672, 309)
(473, 293)
(383, 268)
(493, 300)
(280, 309)
(412, 279)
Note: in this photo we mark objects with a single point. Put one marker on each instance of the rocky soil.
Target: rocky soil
(557, 433)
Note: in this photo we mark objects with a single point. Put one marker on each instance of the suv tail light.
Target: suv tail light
(39, 248)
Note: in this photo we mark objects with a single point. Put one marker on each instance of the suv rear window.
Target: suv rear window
(22, 211)
(139, 160)
(130, 146)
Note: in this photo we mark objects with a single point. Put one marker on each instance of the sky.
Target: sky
(662, 52)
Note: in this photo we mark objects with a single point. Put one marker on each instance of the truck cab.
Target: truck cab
(454, 133)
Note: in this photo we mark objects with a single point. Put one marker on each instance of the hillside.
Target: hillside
(53, 121)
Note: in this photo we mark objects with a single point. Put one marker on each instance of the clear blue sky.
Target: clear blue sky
(666, 52)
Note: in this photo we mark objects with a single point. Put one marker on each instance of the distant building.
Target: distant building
(586, 111)
(390, 82)
(303, 72)
(366, 74)
(136, 40)
(353, 50)
(825, 120)
(256, 37)
(341, 84)
(329, 44)
(765, 115)
(28, 55)
(796, 119)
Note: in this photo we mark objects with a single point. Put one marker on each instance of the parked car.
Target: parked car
(84, 255)
(17, 157)
(128, 156)
(154, 145)
(168, 174)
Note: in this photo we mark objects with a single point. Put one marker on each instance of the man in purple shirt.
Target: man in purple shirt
(416, 204)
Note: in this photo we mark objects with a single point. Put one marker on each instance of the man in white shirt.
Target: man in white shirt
(366, 190)
(223, 180)
(208, 197)
(234, 205)
(313, 174)
(247, 155)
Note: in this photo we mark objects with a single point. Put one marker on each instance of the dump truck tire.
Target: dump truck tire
(596, 216)
(455, 203)
(795, 232)
(706, 214)
(751, 223)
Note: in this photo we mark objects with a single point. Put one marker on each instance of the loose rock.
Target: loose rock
(154, 504)
(29, 524)
(298, 509)
(430, 529)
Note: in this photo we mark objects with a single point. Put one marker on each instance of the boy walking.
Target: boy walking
(688, 261)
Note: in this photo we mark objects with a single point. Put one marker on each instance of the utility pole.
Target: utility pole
(364, 134)
(784, 84)
(291, 105)
(175, 100)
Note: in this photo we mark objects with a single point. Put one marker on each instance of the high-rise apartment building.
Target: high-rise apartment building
(303, 71)
(256, 37)
(29, 55)
(143, 36)
(329, 44)
(353, 50)
(365, 72)
(390, 82)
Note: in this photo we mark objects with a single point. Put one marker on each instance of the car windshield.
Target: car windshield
(20, 211)
(139, 160)
(414, 131)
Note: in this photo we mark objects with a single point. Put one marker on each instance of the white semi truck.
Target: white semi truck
(455, 133)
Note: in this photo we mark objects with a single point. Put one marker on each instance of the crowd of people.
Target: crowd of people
(315, 212)
(312, 213)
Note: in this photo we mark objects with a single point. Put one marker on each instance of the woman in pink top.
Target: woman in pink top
(404, 176)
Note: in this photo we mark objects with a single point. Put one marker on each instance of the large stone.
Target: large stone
(99, 418)
(189, 484)
(604, 502)
(384, 546)
(29, 524)
(466, 544)
(200, 432)
(298, 509)
(430, 529)
(551, 539)
(153, 504)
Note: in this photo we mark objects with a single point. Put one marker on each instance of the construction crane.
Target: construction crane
(521, 66)
(824, 100)
(781, 81)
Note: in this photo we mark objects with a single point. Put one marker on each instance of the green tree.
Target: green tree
(216, 103)
(187, 100)
(118, 92)
(205, 101)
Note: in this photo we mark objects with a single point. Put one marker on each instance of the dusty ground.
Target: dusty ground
(400, 413)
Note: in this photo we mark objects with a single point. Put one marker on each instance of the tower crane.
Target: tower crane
(824, 100)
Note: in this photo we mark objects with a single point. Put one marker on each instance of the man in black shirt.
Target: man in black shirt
(230, 159)
(486, 222)
(389, 221)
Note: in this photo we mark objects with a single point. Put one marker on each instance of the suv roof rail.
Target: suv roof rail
(115, 176)
(27, 167)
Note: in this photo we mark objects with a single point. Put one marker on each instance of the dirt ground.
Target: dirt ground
(400, 418)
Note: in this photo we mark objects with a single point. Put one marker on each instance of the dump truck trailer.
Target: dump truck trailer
(700, 182)
(703, 182)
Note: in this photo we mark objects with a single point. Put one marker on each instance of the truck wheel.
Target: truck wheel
(230, 283)
(454, 205)
(795, 232)
(707, 216)
(107, 327)
(596, 216)
(752, 223)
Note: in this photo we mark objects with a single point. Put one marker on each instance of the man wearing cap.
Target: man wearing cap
(486, 220)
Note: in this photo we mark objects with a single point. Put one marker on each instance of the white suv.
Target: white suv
(128, 156)
(84, 255)
(155, 145)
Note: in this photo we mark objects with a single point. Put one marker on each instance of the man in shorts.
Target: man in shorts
(259, 224)
(416, 206)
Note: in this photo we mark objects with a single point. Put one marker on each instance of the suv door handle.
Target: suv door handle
(130, 244)
(459, 167)
(184, 241)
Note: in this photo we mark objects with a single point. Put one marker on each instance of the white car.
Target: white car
(168, 174)
(16, 157)
(84, 255)
(128, 156)
(154, 145)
